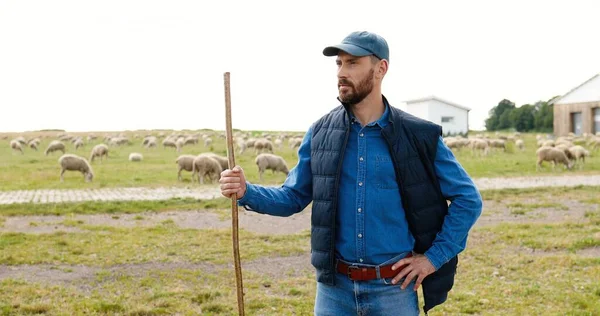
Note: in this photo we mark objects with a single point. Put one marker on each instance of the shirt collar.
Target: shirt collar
(382, 121)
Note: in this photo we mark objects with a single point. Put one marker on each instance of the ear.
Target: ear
(381, 68)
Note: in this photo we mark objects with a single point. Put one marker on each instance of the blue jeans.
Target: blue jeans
(368, 298)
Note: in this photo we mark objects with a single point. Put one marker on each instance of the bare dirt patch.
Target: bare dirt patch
(251, 221)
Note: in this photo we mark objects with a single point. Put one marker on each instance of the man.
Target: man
(379, 180)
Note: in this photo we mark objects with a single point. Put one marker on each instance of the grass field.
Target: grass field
(34, 170)
(542, 261)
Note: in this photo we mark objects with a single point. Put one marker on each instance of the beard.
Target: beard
(359, 92)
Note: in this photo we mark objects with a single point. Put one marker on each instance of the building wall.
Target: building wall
(589, 92)
(433, 111)
(562, 117)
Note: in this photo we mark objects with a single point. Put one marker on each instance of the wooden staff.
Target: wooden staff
(234, 206)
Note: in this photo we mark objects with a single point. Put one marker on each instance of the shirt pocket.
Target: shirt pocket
(385, 175)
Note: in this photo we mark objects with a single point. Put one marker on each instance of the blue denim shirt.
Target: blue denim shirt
(371, 224)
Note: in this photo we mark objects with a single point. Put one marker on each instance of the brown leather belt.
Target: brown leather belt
(365, 273)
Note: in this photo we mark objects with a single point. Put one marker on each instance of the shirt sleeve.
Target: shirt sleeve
(292, 197)
(465, 207)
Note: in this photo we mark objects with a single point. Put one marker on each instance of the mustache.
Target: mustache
(345, 82)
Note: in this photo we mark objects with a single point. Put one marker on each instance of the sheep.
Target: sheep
(479, 144)
(167, 142)
(99, 150)
(207, 142)
(278, 142)
(273, 162)
(78, 143)
(241, 144)
(72, 162)
(551, 154)
(579, 153)
(498, 143)
(263, 144)
(16, 145)
(21, 140)
(206, 165)
(135, 157)
(54, 146)
(185, 162)
(179, 144)
(520, 144)
(223, 161)
(191, 140)
(148, 139)
(34, 145)
(151, 144)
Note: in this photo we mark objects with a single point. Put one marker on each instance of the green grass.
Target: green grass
(114, 207)
(164, 243)
(584, 194)
(34, 170)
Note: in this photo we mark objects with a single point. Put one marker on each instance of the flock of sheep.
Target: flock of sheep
(206, 165)
(567, 150)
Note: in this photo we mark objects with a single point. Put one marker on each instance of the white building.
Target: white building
(453, 118)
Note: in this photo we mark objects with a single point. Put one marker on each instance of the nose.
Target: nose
(342, 73)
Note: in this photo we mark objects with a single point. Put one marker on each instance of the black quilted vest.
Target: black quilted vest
(412, 143)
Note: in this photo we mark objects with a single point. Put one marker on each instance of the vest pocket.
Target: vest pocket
(385, 176)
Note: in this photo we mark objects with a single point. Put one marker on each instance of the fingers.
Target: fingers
(419, 281)
(402, 273)
(409, 279)
(401, 263)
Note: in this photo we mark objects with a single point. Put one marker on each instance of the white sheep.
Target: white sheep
(168, 142)
(579, 153)
(78, 143)
(70, 162)
(551, 154)
(179, 144)
(223, 161)
(478, 144)
(16, 145)
(135, 157)
(273, 162)
(520, 144)
(207, 142)
(206, 166)
(263, 144)
(55, 145)
(100, 151)
(184, 162)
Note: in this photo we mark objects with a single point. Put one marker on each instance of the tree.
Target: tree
(496, 120)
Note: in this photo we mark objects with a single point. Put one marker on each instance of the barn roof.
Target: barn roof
(556, 100)
(433, 97)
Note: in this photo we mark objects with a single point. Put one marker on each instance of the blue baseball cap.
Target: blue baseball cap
(361, 44)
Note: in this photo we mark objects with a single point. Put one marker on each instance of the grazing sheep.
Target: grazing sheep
(498, 143)
(151, 144)
(70, 162)
(207, 142)
(179, 144)
(16, 145)
(191, 140)
(78, 143)
(135, 157)
(206, 166)
(168, 142)
(21, 140)
(278, 142)
(520, 144)
(241, 145)
(148, 139)
(551, 154)
(479, 145)
(185, 162)
(34, 145)
(54, 146)
(273, 162)
(579, 153)
(99, 150)
(223, 161)
(263, 144)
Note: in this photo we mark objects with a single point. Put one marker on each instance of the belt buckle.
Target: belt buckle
(349, 273)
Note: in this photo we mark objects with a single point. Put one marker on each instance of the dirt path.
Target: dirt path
(210, 192)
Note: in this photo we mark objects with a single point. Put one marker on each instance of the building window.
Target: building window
(447, 119)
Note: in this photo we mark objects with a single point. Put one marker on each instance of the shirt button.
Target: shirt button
(359, 209)
(359, 235)
(361, 260)
(361, 134)
(360, 184)
(361, 159)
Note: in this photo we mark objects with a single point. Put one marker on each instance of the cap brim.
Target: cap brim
(347, 48)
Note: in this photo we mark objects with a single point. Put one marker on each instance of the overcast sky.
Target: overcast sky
(125, 65)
